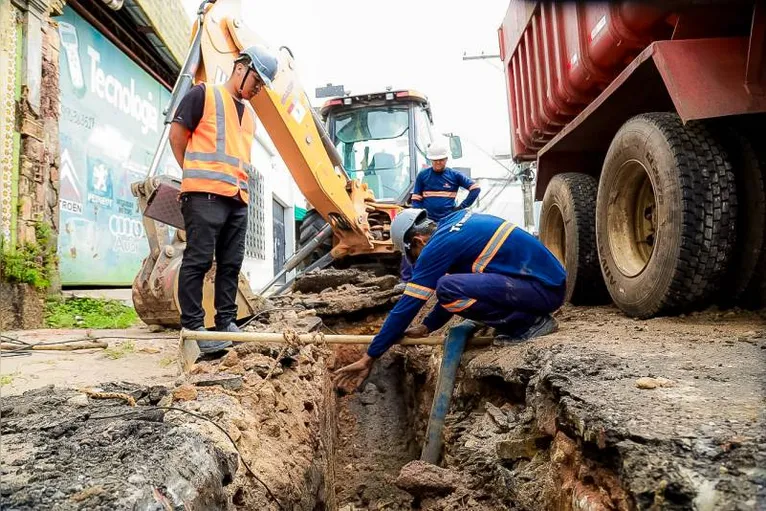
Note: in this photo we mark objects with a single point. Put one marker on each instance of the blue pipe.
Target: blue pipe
(454, 345)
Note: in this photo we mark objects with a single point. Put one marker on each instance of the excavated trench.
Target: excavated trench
(610, 415)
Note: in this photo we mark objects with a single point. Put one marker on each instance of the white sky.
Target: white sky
(368, 45)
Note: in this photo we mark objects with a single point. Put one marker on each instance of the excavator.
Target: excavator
(356, 149)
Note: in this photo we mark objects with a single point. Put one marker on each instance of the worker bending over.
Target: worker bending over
(481, 268)
(436, 190)
(211, 138)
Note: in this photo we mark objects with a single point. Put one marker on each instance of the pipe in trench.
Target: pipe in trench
(454, 345)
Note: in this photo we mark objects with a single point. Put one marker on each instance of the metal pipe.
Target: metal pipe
(321, 263)
(114, 5)
(454, 345)
(300, 255)
(181, 87)
(195, 335)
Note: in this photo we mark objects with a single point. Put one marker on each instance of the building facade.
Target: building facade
(82, 91)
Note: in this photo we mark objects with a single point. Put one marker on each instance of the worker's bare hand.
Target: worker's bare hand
(349, 378)
(416, 331)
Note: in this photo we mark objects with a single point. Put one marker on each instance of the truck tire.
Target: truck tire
(748, 259)
(311, 225)
(665, 215)
(568, 229)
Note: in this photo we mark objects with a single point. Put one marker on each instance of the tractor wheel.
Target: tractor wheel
(665, 215)
(568, 229)
(745, 273)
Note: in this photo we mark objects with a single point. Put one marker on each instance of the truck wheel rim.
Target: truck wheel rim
(555, 235)
(631, 219)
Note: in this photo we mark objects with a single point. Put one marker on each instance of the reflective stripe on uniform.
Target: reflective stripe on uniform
(474, 186)
(492, 247)
(220, 123)
(459, 305)
(418, 291)
(450, 195)
(216, 157)
(210, 174)
(214, 176)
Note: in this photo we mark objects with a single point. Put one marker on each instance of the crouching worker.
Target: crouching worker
(481, 268)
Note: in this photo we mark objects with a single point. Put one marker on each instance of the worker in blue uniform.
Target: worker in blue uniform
(481, 268)
(436, 187)
(436, 190)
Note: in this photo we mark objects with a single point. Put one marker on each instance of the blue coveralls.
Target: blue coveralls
(482, 268)
(436, 192)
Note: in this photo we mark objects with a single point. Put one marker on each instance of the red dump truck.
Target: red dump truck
(646, 123)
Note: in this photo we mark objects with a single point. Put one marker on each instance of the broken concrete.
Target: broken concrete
(584, 434)
(105, 455)
(422, 479)
(332, 292)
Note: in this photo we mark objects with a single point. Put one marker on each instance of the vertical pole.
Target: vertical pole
(454, 345)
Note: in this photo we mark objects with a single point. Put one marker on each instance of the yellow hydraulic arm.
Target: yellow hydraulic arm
(298, 134)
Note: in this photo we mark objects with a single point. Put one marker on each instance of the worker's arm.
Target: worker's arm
(430, 266)
(471, 186)
(187, 118)
(417, 192)
(179, 139)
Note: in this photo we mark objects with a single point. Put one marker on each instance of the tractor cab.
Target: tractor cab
(382, 139)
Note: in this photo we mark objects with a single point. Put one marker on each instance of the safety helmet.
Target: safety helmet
(436, 152)
(262, 61)
(402, 223)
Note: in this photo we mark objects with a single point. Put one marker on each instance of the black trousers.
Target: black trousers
(215, 226)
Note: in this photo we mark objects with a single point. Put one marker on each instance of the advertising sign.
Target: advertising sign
(111, 119)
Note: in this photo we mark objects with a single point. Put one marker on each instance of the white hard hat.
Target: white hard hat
(436, 152)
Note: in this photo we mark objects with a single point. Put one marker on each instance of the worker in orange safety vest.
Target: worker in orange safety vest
(211, 137)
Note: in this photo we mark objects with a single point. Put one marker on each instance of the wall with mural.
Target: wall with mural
(111, 119)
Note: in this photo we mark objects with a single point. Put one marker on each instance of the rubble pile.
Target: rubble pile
(333, 292)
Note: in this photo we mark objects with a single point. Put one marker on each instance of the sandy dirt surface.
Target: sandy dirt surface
(136, 356)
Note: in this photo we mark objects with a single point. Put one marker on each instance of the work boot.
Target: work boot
(231, 328)
(542, 326)
(209, 347)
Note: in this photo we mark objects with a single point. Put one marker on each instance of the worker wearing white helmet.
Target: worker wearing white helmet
(436, 187)
(435, 191)
(481, 268)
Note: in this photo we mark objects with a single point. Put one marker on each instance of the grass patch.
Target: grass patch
(120, 350)
(89, 313)
(7, 379)
(32, 263)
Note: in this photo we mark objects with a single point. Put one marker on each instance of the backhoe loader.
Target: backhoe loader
(340, 187)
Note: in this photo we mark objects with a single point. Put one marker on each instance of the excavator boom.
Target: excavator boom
(360, 226)
(297, 132)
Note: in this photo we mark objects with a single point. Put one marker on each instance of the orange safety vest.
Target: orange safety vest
(217, 158)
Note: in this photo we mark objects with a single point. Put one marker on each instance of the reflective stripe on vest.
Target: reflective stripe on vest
(217, 159)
